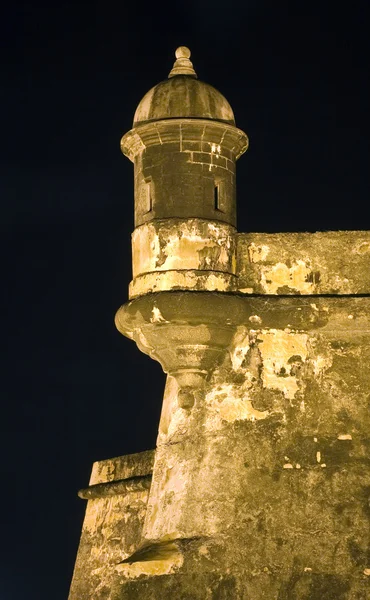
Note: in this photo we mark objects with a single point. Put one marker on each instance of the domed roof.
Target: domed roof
(183, 95)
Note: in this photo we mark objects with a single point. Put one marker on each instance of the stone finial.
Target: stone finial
(182, 64)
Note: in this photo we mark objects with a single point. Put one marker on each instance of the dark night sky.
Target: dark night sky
(75, 390)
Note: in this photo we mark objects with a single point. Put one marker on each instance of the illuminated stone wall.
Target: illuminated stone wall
(261, 485)
(327, 262)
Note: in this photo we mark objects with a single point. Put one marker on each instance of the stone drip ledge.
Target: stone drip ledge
(120, 476)
(326, 262)
(115, 488)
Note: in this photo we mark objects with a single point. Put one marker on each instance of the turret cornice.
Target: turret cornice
(210, 135)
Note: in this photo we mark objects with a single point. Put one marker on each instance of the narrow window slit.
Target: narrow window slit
(149, 197)
(216, 197)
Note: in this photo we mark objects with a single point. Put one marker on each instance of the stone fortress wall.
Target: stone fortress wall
(259, 488)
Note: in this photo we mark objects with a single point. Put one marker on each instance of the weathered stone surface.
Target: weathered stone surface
(187, 279)
(176, 244)
(327, 262)
(185, 254)
(294, 383)
(177, 254)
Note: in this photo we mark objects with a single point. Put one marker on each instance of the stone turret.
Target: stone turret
(184, 145)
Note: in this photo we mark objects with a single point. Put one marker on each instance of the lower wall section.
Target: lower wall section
(260, 487)
(115, 512)
(207, 573)
(194, 586)
(298, 586)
